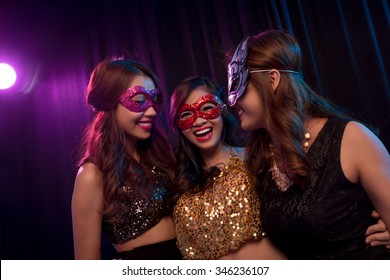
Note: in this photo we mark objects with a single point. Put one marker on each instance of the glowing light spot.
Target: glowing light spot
(7, 76)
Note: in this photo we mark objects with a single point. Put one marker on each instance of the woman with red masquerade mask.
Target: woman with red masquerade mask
(319, 173)
(216, 215)
(126, 168)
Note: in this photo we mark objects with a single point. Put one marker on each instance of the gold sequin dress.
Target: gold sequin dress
(221, 219)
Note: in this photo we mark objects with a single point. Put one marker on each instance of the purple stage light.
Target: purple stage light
(7, 76)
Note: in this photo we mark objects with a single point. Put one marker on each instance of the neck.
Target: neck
(219, 154)
(131, 149)
(306, 136)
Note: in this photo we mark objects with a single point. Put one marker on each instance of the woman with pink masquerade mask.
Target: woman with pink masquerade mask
(216, 215)
(126, 168)
(319, 173)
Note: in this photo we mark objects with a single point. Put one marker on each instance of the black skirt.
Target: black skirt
(165, 250)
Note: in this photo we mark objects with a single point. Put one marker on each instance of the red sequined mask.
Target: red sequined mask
(138, 99)
(208, 107)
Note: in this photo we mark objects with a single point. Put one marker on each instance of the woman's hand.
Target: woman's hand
(378, 235)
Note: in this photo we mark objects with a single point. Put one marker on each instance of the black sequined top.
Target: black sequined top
(134, 213)
(329, 218)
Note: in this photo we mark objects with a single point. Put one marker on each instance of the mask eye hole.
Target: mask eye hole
(207, 107)
(185, 115)
(139, 98)
(234, 85)
(157, 99)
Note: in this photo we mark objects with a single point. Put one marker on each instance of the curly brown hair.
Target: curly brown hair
(286, 109)
(104, 141)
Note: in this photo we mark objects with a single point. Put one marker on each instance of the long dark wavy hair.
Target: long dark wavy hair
(191, 174)
(104, 141)
(287, 109)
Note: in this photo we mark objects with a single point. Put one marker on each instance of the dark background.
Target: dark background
(55, 44)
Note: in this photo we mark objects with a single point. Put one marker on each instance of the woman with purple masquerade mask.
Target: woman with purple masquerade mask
(216, 215)
(126, 168)
(319, 173)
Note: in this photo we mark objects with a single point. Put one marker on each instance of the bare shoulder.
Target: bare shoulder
(89, 174)
(358, 133)
(355, 129)
(89, 183)
(357, 137)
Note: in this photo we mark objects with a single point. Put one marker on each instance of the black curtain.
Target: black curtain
(54, 46)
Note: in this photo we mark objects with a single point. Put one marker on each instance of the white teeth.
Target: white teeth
(146, 124)
(203, 131)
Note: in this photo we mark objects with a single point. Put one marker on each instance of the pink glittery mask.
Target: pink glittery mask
(208, 107)
(138, 99)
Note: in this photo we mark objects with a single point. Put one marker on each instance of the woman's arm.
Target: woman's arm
(87, 206)
(366, 160)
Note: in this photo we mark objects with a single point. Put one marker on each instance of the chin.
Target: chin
(209, 145)
(245, 126)
(143, 136)
(250, 125)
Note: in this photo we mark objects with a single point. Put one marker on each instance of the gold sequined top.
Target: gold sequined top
(212, 223)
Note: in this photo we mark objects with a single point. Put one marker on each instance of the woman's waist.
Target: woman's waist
(162, 231)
